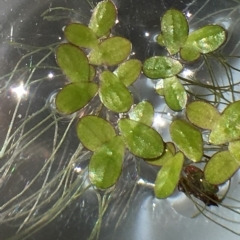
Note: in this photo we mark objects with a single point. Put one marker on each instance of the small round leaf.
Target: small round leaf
(202, 114)
(143, 113)
(129, 71)
(161, 67)
(106, 163)
(168, 153)
(112, 51)
(220, 168)
(227, 128)
(142, 140)
(94, 131)
(75, 96)
(174, 93)
(188, 139)
(73, 62)
(103, 18)
(80, 35)
(114, 94)
(174, 28)
(168, 176)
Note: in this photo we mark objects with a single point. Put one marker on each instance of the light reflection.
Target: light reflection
(187, 73)
(159, 121)
(20, 91)
(146, 34)
(188, 14)
(77, 169)
(50, 75)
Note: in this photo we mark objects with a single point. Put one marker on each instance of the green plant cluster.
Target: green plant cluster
(90, 49)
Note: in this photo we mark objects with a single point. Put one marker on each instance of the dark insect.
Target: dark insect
(193, 183)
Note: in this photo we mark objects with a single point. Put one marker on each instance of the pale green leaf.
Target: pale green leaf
(161, 67)
(114, 94)
(188, 139)
(168, 176)
(106, 163)
(94, 131)
(73, 62)
(160, 40)
(220, 168)
(234, 149)
(174, 28)
(75, 96)
(142, 140)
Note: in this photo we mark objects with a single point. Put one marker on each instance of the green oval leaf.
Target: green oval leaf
(94, 131)
(103, 18)
(143, 112)
(204, 40)
(220, 168)
(227, 128)
(168, 153)
(168, 176)
(161, 67)
(129, 71)
(174, 93)
(75, 96)
(106, 163)
(202, 114)
(80, 35)
(174, 28)
(142, 140)
(108, 52)
(233, 148)
(73, 62)
(188, 139)
(114, 94)
(160, 40)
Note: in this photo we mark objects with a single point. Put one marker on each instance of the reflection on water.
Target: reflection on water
(45, 192)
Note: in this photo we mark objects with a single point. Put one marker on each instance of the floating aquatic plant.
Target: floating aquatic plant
(99, 78)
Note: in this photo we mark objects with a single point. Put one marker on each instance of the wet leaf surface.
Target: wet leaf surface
(174, 27)
(143, 112)
(142, 140)
(220, 167)
(188, 139)
(202, 114)
(108, 52)
(168, 176)
(227, 128)
(161, 67)
(75, 96)
(103, 18)
(73, 62)
(80, 35)
(114, 94)
(174, 93)
(94, 131)
(129, 71)
(106, 163)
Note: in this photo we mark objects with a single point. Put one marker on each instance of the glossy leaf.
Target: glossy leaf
(108, 52)
(142, 140)
(160, 87)
(103, 18)
(168, 176)
(75, 96)
(234, 149)
(161, 67)
(94, 131)
(227, 128)
(204, 40)
(174, 28)
(174, 93)
(188, 139)
(202, 114)
(114, 94)
(143, 112)
(73, 62)
(220, 167)
(80, 35)
(106, 163)
(129, 71)
(168, 153)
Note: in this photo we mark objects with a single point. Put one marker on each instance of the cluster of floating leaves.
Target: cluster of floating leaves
(99, 65)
